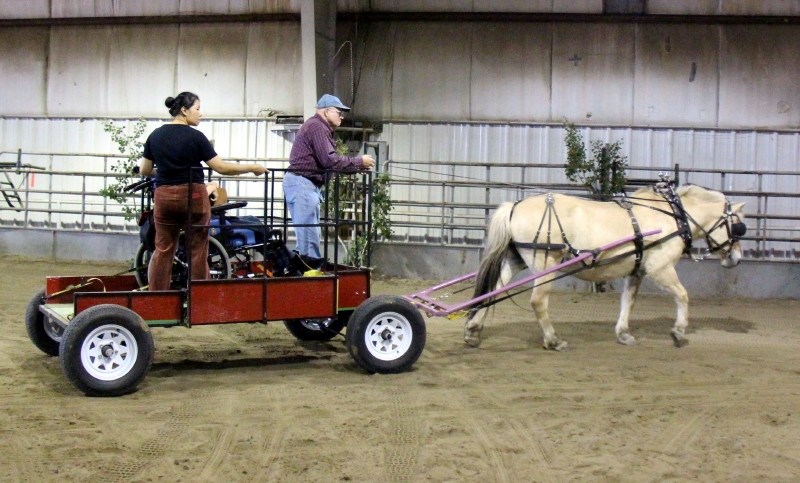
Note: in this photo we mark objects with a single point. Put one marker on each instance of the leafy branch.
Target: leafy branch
(604, 173)
(350, 196)
(131, 146)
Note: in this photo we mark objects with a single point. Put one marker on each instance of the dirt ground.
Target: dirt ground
(250, 403)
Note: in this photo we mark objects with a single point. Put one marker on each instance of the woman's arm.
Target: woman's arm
(233, 169)
(146, 167)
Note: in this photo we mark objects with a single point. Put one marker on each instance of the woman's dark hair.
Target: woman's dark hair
(184, 99)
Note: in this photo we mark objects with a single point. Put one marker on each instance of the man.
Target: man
(313, 152)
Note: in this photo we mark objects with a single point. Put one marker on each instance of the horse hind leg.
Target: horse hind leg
(629, 291)
(474, 324)
(540, 302)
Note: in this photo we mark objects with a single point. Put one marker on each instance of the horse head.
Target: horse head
(717, 220)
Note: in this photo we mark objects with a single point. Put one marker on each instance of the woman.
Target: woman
(169, 152)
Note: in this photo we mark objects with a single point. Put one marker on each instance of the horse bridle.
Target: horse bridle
(734, 227)
(733, 224)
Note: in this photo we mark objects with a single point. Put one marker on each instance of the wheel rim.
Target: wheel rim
(388, 336)
(109, 352)
(53, 330)
(316, 324)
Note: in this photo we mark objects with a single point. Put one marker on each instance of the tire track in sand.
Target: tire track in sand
(405, 441)
(687, 433)
(501, 472)
(535, 448)
(177, 423)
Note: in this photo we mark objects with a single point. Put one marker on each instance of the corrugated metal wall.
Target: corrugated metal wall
(744, 161)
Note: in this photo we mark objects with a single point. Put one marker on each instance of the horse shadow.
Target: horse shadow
(598, 330)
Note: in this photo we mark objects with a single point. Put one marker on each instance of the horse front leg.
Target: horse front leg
(540, 302)
(474, 323)
(627, 300)
(668, 279)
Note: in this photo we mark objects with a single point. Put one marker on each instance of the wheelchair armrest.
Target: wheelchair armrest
(215, 210)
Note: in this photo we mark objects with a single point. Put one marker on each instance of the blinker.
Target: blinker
(738, 229)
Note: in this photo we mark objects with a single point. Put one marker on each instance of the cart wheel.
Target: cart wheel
(140, 263)
(107, 350)
(386, 335)
(43, 332)
(219, 263)
(318, 329)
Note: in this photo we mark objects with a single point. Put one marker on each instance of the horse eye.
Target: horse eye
(738, 229)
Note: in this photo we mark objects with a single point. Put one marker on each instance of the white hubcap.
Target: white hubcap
(109, 352)
(388, 336)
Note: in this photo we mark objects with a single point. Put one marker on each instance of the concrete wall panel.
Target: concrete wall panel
(81, 8)
(682, 7)
(676, 75)
(751, 7)
(212, 65)
(77, 83)
(510, 74)
(142, 70)
(431, 72)
(27, 9)
(23, 71)
(593, 73)
(273, 69)
(759, 76)
(147, 8)
(373, 58)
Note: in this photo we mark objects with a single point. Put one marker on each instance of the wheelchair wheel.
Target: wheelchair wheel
(218, 263)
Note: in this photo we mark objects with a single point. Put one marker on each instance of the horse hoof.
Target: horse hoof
(557, 345)
(626, 339)
(472, 341)
(678, 339)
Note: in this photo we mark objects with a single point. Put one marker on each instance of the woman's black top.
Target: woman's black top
(174, 148)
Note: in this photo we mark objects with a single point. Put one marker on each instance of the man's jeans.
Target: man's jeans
(303, 200)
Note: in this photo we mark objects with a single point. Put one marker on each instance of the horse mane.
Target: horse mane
(694, 191)
(700, 193)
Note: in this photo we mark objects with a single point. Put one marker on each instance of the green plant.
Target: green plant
(351, 197)
(130, 144)
(604, 173)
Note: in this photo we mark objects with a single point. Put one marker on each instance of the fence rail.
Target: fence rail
(434, 203)
(449, 203)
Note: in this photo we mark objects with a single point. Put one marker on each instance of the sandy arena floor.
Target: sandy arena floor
(250, 403)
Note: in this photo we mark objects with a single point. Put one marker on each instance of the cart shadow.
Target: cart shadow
(165, 369)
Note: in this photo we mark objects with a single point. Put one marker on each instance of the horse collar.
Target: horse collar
(681, 218)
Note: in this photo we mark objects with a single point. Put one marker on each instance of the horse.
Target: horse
(544, 230)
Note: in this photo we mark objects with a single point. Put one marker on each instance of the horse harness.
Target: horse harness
(734, 226)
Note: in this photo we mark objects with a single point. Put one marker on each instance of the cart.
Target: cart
(99, 326)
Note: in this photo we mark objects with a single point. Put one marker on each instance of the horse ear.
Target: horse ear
(737, 207)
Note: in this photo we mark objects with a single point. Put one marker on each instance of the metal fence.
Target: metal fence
(449, 203)
(434, 203)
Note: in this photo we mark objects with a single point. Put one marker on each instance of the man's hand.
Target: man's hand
(367, 161)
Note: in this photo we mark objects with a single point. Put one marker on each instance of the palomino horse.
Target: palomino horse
(542, 231)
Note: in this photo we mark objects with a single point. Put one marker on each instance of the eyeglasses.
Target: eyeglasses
(337, 111)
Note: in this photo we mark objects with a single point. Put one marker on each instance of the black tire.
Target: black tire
(320, 330)
(140, 263)
(386, 334)
(218, 262)
(107, 350)
(45, 334)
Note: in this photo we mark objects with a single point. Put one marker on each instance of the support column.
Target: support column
(318, 31)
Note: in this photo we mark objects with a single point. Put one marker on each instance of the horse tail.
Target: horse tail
(497, 242)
